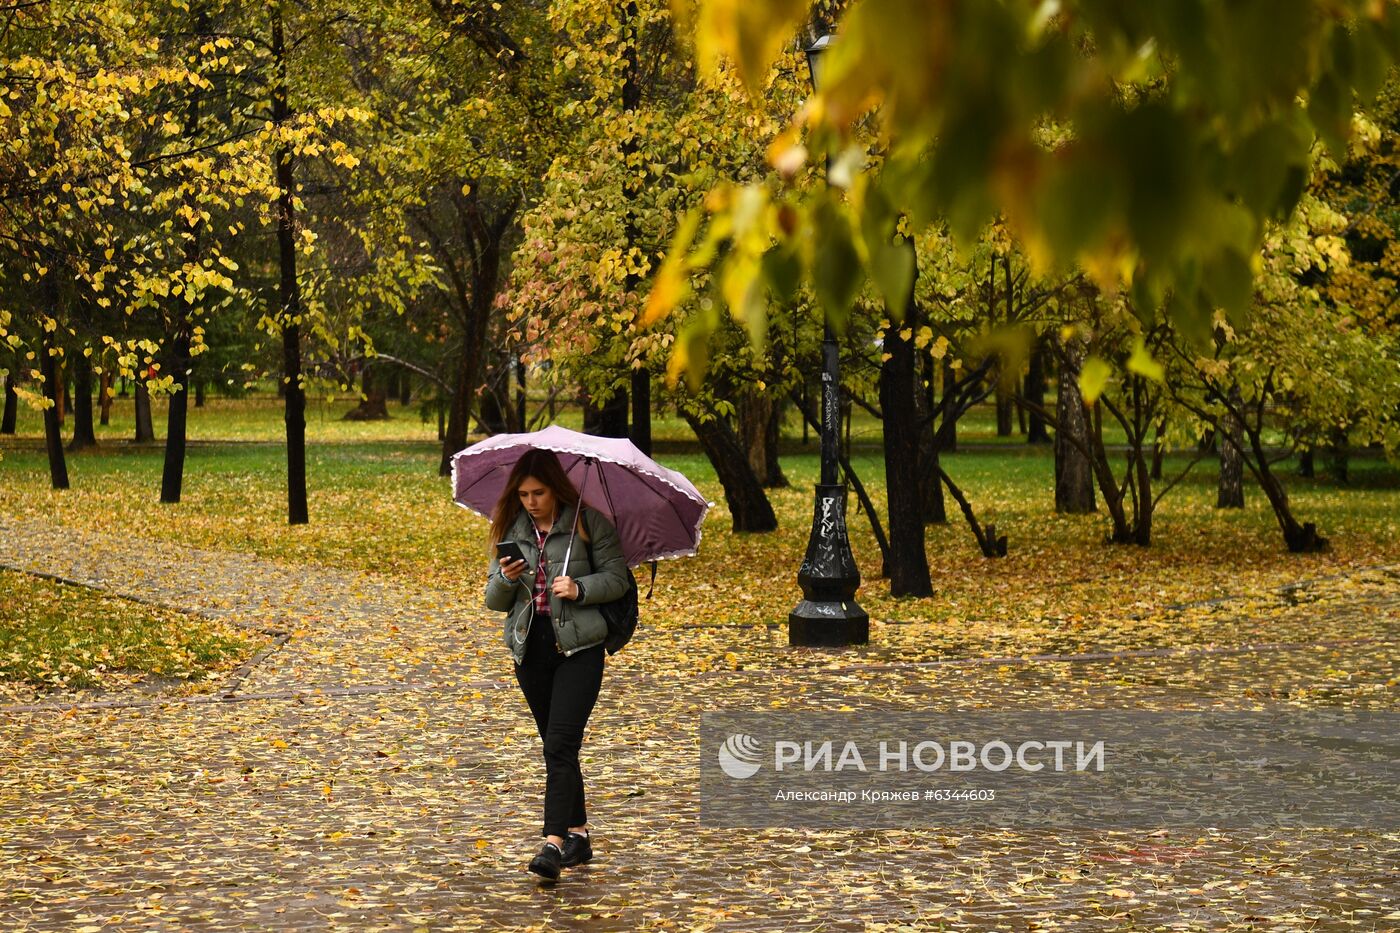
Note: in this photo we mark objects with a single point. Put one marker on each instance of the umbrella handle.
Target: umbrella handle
(578, 509)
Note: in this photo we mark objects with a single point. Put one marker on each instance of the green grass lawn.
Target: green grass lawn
(377, 504)
(258, 417)
(55, 635)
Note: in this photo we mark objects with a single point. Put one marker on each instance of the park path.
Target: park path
(376, 769)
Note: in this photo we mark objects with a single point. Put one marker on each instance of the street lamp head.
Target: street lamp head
(815, 53)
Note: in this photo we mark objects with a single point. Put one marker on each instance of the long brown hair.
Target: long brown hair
(544, 466)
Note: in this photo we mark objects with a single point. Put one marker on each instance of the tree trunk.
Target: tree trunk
(374, 405)
(1298, 538)
(173, 475)
(49, 371)
(7, 421)
(608, 419)
(521, 413)
(641, 409)
(145, 430)
(1136, 491)
(200, 388)
(1142, 522)
(1035, 385)
(1003, 406)
(405, 388)
(53, 438)
(751, 412)
(907, 566)
(772, 434)
(802, 406)
(289, 293)
(459, 407)
(1230, 487)
(935, 510)
(1159, 452)
(930, 488)
(1337, 458)
(1305, 464)
(491, 415)
(83, 433)
(1074, 477)
(63, 399)
(1122, 532)
(748, 504)
(948, 431)
(987, 541)
(632, 180)
(104, 397)
(758, 414)
(475, 299)
(179, 331)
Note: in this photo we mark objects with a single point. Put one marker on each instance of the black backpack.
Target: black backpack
(622, 613)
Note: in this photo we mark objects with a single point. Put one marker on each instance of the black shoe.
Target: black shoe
(577, 850)
(547, 863)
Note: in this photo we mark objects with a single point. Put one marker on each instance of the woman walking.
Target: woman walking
(554, 630)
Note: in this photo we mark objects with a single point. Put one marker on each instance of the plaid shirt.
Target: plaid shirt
(541, 592)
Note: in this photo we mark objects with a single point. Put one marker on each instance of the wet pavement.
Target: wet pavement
(376, 768)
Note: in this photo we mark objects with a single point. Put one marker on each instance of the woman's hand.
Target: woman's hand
(512, 569)
(565, 588)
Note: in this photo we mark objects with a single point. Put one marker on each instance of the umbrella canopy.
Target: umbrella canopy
(657, 512)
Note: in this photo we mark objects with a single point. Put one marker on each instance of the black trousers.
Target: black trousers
(561, 692)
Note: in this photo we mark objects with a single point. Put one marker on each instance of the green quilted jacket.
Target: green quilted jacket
(577, 624)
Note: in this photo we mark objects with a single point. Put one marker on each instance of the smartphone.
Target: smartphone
(509, 550)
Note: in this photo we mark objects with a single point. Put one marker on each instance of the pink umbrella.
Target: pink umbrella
(657, 512)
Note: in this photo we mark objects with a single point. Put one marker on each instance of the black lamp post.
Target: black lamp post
(814, 59)
(828, 614)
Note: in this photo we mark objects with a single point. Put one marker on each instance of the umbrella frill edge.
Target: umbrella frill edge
(668, 555)
(469, 451)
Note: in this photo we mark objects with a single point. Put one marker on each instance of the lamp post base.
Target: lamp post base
(827, 625)
(828, 615)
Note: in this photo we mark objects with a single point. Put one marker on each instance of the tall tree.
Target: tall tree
(48, 356)
(633, 179)
(642, 138)
(1230, 484)
(96, 148)
(84, 435)
(907, 565)
(759, 414)
(1074, 474)
(1034, 391)
(7, 420)
(289, 294)
(749, 508)
(178, 325)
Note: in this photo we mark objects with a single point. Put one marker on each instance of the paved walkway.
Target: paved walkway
(376, 769)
